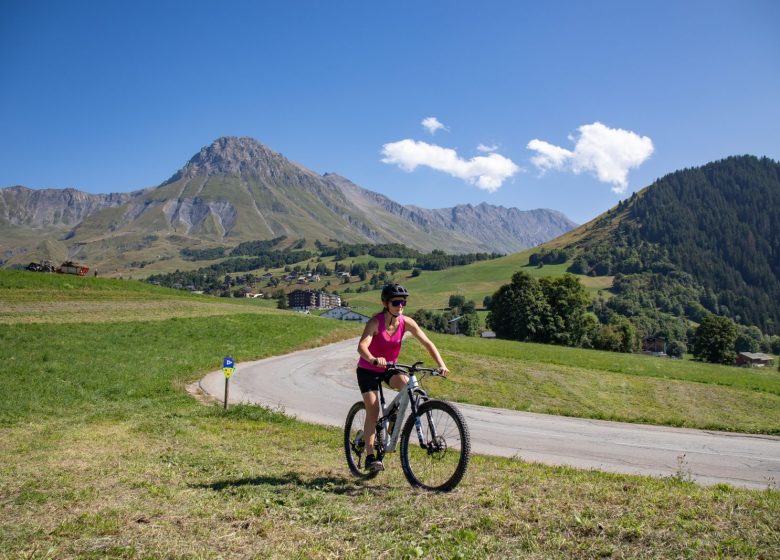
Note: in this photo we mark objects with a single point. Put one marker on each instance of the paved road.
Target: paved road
(319, 386)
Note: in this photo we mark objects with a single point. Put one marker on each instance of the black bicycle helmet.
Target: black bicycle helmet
(394, 290)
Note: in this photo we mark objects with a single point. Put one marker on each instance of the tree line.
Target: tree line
(211, 278)
(342, 251)
(559, 311)
(465, 312)
(252, 255)
(245, 249)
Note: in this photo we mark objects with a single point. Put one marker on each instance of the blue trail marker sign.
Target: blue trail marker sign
(228, 367)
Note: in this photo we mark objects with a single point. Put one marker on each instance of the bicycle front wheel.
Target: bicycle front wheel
(440, 461)
(354, 444)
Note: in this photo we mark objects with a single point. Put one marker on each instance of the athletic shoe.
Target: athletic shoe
(373, 464)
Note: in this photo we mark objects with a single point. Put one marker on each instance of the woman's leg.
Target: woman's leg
(371, 400)
(398, 381)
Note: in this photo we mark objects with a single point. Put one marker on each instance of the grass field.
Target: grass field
(106, 455)
(431, 290)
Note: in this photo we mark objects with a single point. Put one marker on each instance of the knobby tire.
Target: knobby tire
(356, 455)
(442, 469)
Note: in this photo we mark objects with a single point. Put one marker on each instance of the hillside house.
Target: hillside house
(654, 345)
(754, 359)
(345, 314)
(248, 292)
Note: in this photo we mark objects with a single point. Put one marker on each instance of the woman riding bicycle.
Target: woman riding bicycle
(379, 345)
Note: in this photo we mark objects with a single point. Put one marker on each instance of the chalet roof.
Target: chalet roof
(756, 356)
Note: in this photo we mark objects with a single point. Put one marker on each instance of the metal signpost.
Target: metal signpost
(228, 367)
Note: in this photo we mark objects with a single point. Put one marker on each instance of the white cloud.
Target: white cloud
(432, 124)
(485, 172)
(487, 149)
(549, 156)
(607, 153)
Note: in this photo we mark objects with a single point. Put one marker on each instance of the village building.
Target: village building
(311, 299)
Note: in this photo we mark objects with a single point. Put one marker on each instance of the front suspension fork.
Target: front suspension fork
(414, 401)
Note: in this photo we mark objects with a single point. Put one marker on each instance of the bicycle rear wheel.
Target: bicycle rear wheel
(441, 464)
(354, 447)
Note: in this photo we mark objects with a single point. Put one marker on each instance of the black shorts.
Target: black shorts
(369, 380)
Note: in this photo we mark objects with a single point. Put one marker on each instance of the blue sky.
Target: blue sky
(564, 105)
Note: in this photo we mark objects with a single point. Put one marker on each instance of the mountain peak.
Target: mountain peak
(231, 155)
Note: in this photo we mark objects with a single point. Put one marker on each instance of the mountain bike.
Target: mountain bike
(437, 459)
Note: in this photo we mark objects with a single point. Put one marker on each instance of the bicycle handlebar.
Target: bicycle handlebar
(415, 368)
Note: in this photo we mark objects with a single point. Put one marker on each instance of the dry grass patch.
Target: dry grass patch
(597, 282)
(108, 311)
(251, 483)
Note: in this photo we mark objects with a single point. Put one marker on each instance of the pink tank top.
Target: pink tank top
(383, 345)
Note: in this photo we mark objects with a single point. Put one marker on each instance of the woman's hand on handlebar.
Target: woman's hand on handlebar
(443, 371)
(381, 362)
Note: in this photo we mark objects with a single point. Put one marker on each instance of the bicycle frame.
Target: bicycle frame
(409, 395)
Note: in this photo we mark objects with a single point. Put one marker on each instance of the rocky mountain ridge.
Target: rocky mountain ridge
(237, 189)
(22, 206)
(486, 223)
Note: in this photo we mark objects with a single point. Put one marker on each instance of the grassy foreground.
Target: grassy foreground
(103, 454)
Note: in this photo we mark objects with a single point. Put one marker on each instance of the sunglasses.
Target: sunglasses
(398, 303)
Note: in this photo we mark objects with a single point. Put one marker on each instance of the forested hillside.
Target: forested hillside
(698, 239)
(721, 224)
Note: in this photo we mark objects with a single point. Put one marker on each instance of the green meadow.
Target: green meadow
(431, 289)
(108, 452)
